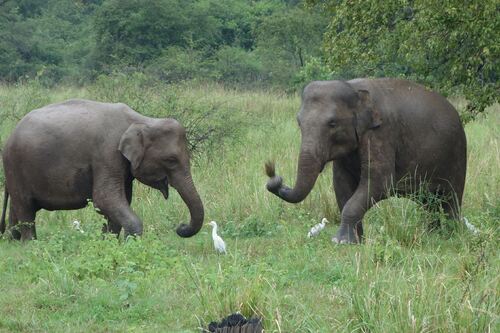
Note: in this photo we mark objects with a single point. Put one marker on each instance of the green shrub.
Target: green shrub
(236, 65)
(177, 64)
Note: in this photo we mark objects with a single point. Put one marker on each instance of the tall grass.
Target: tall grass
(405, 278)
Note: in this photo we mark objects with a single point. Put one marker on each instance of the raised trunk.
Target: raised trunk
(307, 172)
(190, 196)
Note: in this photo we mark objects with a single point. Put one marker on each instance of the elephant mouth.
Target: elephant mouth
(163, 187)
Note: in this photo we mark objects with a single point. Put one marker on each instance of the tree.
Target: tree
(44, 39)
(130, 32)
(452, 46)
(287, 40)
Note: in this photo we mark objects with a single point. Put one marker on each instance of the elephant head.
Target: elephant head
(332, 118)
(159, 156)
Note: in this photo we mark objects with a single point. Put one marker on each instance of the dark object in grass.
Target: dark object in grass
(236, 323)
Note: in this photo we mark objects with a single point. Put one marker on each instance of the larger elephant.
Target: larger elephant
(63, 154)
(384, 136)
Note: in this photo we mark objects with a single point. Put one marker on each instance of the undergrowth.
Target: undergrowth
(406, 277)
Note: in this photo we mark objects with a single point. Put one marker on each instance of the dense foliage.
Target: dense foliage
(450, 46)
(263, 42)
(453, 46)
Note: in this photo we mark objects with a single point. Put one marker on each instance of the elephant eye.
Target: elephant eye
(332, 123)
(170, 160)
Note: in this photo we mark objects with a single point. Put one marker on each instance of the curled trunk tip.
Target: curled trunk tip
(186, 230)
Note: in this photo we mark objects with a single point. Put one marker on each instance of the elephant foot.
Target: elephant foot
(28, 231)
(14, 234)
(346, 235)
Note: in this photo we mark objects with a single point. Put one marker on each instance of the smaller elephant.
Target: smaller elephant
(60, 156)
(384, 136)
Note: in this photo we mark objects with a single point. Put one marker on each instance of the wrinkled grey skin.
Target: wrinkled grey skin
(63, 154)
(382, 135)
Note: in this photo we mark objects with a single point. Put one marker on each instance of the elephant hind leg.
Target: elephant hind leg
(448, 202)
(22, 221)
(28, 230)
(13, 230)
(431, 202)
(452, 206)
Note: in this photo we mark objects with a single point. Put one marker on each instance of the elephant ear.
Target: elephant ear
(375, 120)
(132, 144)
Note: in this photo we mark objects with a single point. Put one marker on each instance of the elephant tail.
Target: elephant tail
(4, 210)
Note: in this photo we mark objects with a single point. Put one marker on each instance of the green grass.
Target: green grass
(403, 279)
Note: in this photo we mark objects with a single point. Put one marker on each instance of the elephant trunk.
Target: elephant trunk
(307, 172)
(190, 196)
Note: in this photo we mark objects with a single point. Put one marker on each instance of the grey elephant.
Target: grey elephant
(384, 136)
(63, 154)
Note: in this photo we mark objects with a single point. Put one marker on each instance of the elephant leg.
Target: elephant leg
(120, 214)
(374, 184)
(351, 230)
(451, 205)
(22, 222)
(111, 199)
(449, 202)
(110, 225)
(14, 232)
(345, 182)
(28, 230)
(430, 203)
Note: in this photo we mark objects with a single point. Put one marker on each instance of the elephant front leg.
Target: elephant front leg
(351, 230)
(119, 214)
(345, 181)
(111, 225)
(113, 203)
(365, 196)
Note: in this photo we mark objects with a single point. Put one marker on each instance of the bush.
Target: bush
(235, 65)
(313, 70)
(177, 64)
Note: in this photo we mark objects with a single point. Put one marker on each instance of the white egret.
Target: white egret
(316, 229)
(472, 228)
(219, 244)
(76, 225)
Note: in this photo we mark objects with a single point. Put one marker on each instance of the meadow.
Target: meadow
(404, 278)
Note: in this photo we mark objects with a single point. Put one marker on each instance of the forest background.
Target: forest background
(451, 46)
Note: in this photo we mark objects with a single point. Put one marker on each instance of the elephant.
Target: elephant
(384, 136)
(61, 155)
